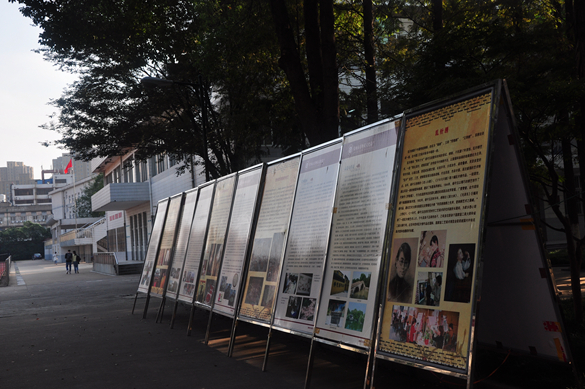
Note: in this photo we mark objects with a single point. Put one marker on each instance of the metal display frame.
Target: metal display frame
(238, 316)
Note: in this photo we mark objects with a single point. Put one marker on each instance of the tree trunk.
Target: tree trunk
(572, 228)
(317, 107)
(370, 56)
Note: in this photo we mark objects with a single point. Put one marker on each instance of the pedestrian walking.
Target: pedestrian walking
(68, 260)
(76, 259)
(55, 258)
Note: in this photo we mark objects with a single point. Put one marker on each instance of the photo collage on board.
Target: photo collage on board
(300, 305)
(161, 271)
(227, 289)
(188, 283)
(264, 271)
(437, 272)
(349, 294)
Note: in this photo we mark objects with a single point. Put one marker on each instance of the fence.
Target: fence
(105, 263)
(5, 260)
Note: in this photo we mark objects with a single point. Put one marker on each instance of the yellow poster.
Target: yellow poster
(428, 296)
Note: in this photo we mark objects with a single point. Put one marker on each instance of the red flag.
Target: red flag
(69, 166)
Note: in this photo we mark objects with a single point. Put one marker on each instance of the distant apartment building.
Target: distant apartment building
(80, 169)
(15, 216)
(15, 173)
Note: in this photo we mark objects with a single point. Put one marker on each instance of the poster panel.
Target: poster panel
(196, 241)
(165, 251)
(306, 249)
(236, 245)
(268, 245)
(348, 298)
(427, 307)
(180, 251)
(211, 263)
(153, 243)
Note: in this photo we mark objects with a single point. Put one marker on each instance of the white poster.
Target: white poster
(237, 241)
(196, 241)
(302, 274)
(180, 250)
(165, 251)
(211, 263)
(268, 245)
(153, 243)
(347, 306)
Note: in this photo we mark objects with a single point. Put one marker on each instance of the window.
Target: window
(160, 164)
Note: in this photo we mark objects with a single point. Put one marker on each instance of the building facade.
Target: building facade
(132, 190)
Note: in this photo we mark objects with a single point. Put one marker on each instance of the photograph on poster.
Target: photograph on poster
(145, 281)
(290, 283)
(305, 282)
(308, 309)
(209, 287)
(201, 291)
(360, 285)
(189, 276)
(254, 290)
(260, 252)
(173, 286)
(275, 257)
(163, 257)
(160, 276)
(431, 251)
(401, 285)
(268, 296)
(223, 283)
(230, 296)
(429, 286)
(214, 259)
(425, 327)
(356, 314)
(335, 313)
(188, 289)
(340, 283)
(459, 273)
(294, 307)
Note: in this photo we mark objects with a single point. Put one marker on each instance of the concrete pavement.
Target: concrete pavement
(62, 330)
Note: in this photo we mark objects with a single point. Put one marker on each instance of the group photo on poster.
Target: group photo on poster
(432, 328)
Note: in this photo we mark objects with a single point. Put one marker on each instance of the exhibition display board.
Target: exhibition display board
(237, 241)
(182, 240)
(385, 242)
(216, 233)
(166, 247)
(433, 256)
(196, 243)
(362, 202)
(457, 227)
(306, 249)
(153, 245)
(268, 242)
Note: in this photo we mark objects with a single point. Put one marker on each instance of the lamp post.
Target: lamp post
(198, 89)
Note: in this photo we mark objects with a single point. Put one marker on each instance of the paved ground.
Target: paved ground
(77, 331)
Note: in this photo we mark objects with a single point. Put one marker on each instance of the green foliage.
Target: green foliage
(84, 201)
(23, 242)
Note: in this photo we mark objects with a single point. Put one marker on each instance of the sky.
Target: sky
(28, 84)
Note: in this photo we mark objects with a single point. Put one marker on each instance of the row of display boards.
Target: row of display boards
(381, 242)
